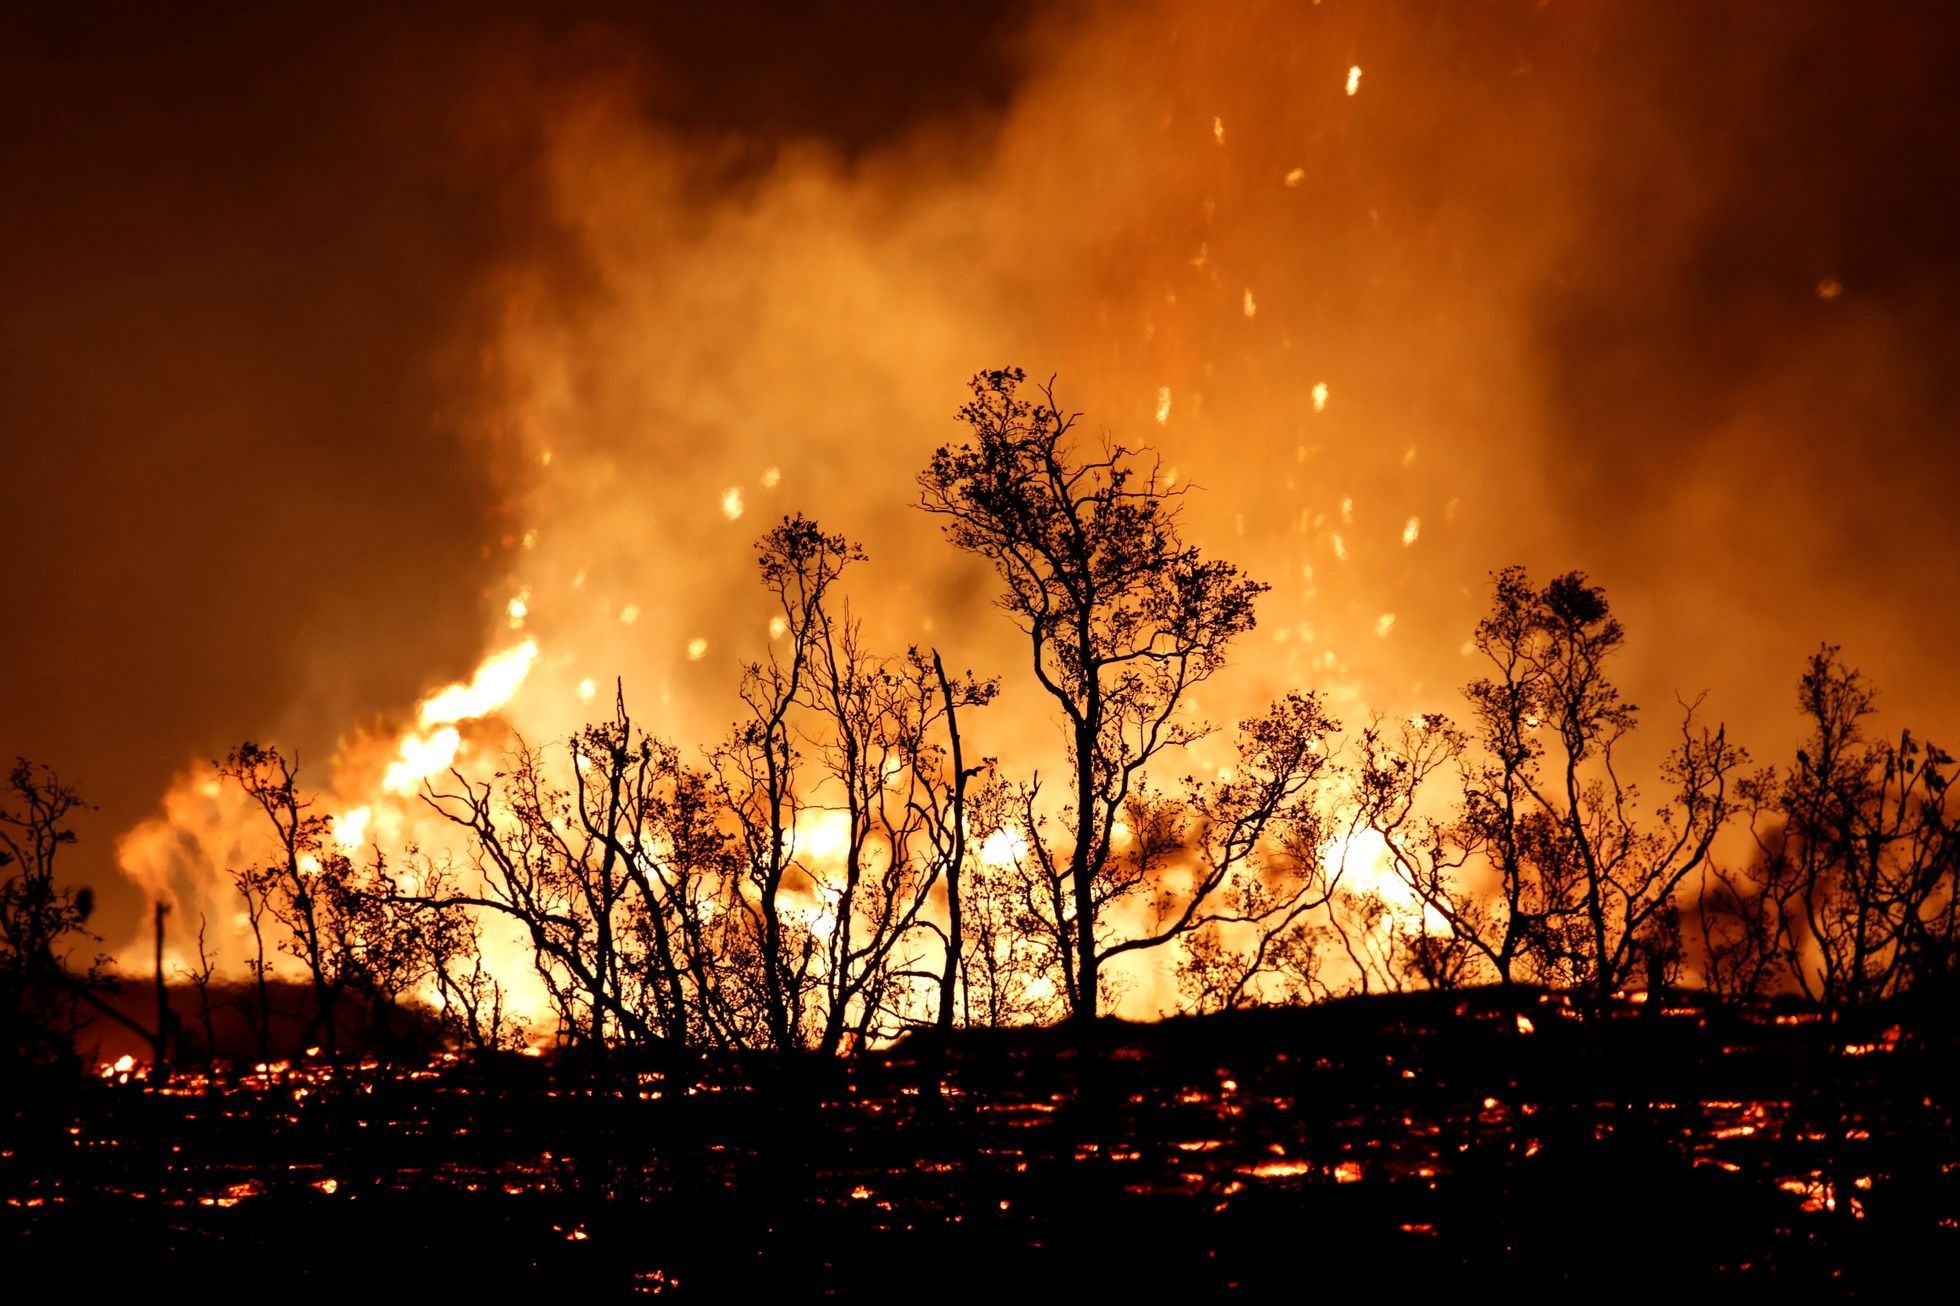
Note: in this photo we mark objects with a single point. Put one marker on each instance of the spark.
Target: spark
(1163, 404)
(697, 648)
(1251, 309)
(772, 478)
(1320, 396)
(519, 608)
(1412, 532)
(731, 502)
(1340, 547)
(778, 627)
(1218, 129)
(587, 688)
(1354, 79)
(1384, 624)
(629, 614)
(1829, 289)
(1295, 177)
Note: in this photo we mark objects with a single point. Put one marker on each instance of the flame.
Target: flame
(495, 681)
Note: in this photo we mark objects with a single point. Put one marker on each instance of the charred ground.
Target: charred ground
(1402, 1146)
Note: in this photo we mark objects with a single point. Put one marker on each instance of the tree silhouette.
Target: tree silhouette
(41, 920)
(1853, 890)
(1123, 618)
(1544, 867)
(43, 987)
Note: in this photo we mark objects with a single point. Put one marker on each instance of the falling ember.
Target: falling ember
(587, 688)
(518, 609)
(1412, 531)
(1218, 130)
(1296, 176)
(697, 649)
(731, 502)
(778, 627)
(1320, 396)
(1163, 404)
(772, 478)
(1384, 624)
(629, 614)
(1829, 289)
(1251, 309)
(1354, 80)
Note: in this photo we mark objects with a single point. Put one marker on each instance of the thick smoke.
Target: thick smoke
(1655, 292)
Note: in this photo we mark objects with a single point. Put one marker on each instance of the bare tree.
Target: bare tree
(1856, 875)
(1586, 886)
(757, 767)
(579, 866)
(199, 977)
(304, 885)
(1122, 617)
(43, 986)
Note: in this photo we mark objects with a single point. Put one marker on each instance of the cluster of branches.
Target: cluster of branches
(839, 869)
(1851, 895)
(798, 889)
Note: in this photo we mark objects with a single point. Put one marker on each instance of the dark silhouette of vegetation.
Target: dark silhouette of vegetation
(801, 980)
(838, 869)
(1123, 619)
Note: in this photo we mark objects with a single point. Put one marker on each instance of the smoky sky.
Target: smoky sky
(240, 255)
(255, 269)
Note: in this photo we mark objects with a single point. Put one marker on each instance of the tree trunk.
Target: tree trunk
(949, 979)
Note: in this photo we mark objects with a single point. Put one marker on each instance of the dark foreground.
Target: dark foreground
(1418, 1148)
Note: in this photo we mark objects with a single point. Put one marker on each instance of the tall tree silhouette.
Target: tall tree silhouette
(1122, 617)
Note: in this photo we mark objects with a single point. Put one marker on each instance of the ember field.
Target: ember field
(1403, 1146)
